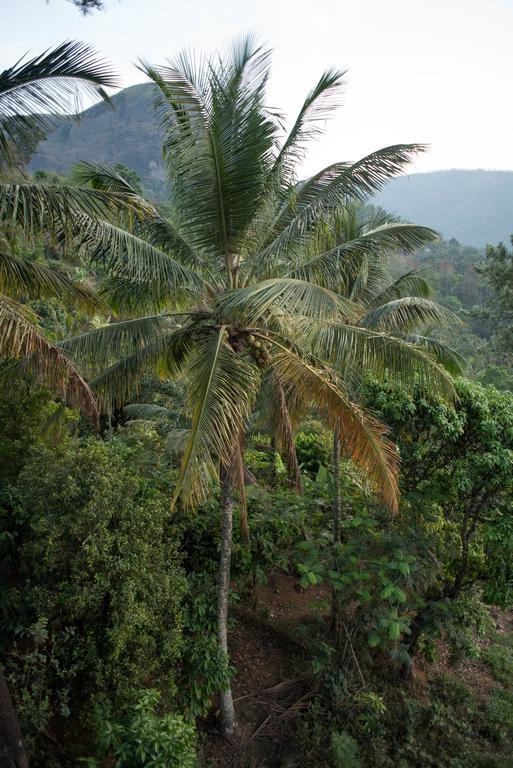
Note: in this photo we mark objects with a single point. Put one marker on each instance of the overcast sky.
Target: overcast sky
(434, 71)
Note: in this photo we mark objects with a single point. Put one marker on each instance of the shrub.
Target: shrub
(144, 739)
(345, 752)
(95, 598)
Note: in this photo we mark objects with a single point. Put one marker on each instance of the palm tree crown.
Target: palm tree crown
(238, 270)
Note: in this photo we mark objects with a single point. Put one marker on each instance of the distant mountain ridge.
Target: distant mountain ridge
(473, 206)
(126, 133)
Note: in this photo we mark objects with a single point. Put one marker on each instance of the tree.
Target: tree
(391, 312)
(231, 279)
(28, 90)
(498, 271)
(456, 484)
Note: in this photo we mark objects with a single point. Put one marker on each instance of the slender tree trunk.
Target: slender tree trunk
(335, 602)
(228, 723)
(336, 484)
(12, 751)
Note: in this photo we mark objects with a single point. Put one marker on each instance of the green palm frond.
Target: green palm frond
(97, 349)
(364, 437)
(49, 84)
(104, 177)
(285, 297)
(356, 349)
(128, 256)
(407, 314)
(412, 283)
(221, 390)
(22, 340)
(317, 108)
(120, 383)
(451, 360)
(36, 208)
(329, 189)
(20, 278)
(338, 265)
(218, 141)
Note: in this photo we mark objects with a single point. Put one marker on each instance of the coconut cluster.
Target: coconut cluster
(259, 350)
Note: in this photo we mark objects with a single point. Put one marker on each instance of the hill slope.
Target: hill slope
(475, 207)
(127, 134)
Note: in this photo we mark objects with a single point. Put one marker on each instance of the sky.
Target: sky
(431, 71)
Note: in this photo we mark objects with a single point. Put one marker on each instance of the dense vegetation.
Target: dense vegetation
(251, 514)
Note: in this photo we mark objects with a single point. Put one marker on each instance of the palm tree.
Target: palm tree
(32, 92)
(28, 92)
(384, 339)
(226, 281)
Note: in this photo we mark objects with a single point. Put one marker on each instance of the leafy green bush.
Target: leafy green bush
(499, 656)
(499, 714)
(313, 451)
(144, 739)
(345, 752)
(203, 670)
(93, 595)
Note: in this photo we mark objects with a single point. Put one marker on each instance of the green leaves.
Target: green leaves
(365, 438)
(221, 390)
(48, 84)
(21, 339)
(281, 299)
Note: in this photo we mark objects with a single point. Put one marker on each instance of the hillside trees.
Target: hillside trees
(236, 272)
(457, 487)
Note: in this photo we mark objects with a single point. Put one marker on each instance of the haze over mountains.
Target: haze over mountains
(473, 206)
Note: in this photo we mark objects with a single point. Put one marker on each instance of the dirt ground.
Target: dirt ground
(272, 685)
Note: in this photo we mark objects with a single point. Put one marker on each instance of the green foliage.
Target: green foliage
(375, 569)
(499, 656)
(203, 668)
(457, 479)
(145, 739)
(499, 714)
(313, 451)
(344, 751)
(92, 593)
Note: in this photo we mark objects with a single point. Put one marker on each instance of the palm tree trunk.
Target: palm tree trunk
(228, 723)
(12, 751)
(335, 602)
(336, 484)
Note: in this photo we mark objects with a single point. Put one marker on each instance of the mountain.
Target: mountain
(474, 206)
(126, 133)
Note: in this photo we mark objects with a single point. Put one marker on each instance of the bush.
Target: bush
(313, 451)
(145, 739)
(499, 656)
(345, 752)
(95, 598)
